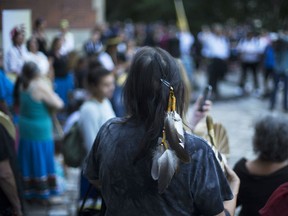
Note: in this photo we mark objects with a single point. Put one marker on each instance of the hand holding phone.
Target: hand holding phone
(206, 96)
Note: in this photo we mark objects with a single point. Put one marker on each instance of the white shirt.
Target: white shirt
(186, 41)
(106, 61)
(41, 60)
(218, 47)
(93, 115)
(15, 59)
(250, 50)
(68, 43)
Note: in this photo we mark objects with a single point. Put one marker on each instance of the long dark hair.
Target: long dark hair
(29, 71)
(146, 97)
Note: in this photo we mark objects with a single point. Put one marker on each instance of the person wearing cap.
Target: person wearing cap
(15, 57)
(68, 43)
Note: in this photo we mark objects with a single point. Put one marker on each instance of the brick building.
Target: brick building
(82, 14)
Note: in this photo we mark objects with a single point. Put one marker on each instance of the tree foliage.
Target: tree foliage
(272, 13)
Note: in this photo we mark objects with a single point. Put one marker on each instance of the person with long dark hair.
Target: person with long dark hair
(121, 158)
(36, 148)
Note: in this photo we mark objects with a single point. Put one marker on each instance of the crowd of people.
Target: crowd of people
(42, 88)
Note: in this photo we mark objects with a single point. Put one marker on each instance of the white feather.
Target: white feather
(156, 155)
(167, 166)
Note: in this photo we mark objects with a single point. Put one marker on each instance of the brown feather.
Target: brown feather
(167, 165)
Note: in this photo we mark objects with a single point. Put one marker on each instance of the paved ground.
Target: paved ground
(237, 115)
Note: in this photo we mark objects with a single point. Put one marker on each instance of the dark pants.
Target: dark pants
(249, 67)
(216, 71)
(268, 73)
(277, 78)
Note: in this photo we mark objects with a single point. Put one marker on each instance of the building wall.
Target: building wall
(80, 13)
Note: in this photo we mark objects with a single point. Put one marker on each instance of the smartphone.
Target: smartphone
(206, 96)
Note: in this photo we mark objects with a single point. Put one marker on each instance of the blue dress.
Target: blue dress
(64, 85)
(6, 89)
(36, 149)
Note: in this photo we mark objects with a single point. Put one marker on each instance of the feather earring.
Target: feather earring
(170, 148)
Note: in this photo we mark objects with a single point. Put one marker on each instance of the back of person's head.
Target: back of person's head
(271, 138)
(100, 83)
(38, 23)
(146, 97)
(94, 63)
(95, 75)
(29, 71)
(32, 44)
(56, 44)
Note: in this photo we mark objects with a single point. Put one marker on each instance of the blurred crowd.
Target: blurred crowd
(83, 89)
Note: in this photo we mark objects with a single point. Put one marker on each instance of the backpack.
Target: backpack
(74, 151)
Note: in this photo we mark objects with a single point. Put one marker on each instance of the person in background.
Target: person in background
(37, 56)
(68, 43)
(186, 40)
(260, 177)
(250, 53)
(269, 63)
(6, 89)
(119, 162)
(94, 45)
(17, 54)
(36, 148)
(277, 203)
(111, 48)
(280, 71)
(39, 34)
(95, 112)
(80, 72)
(219, 52)
(10, 188)
(63, 82)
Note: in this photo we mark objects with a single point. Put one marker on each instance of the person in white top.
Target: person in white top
(98, 109)
(68, 43)
(37, 57)
(250, 51)
(95, 112)
(218, 51)
(15, 57)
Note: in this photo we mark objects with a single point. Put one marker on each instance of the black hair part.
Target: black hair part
(54, 44)
(270, 140)
(14, 37)
(95, 75)
(38, 22)
(29, 71)
(146, 97)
